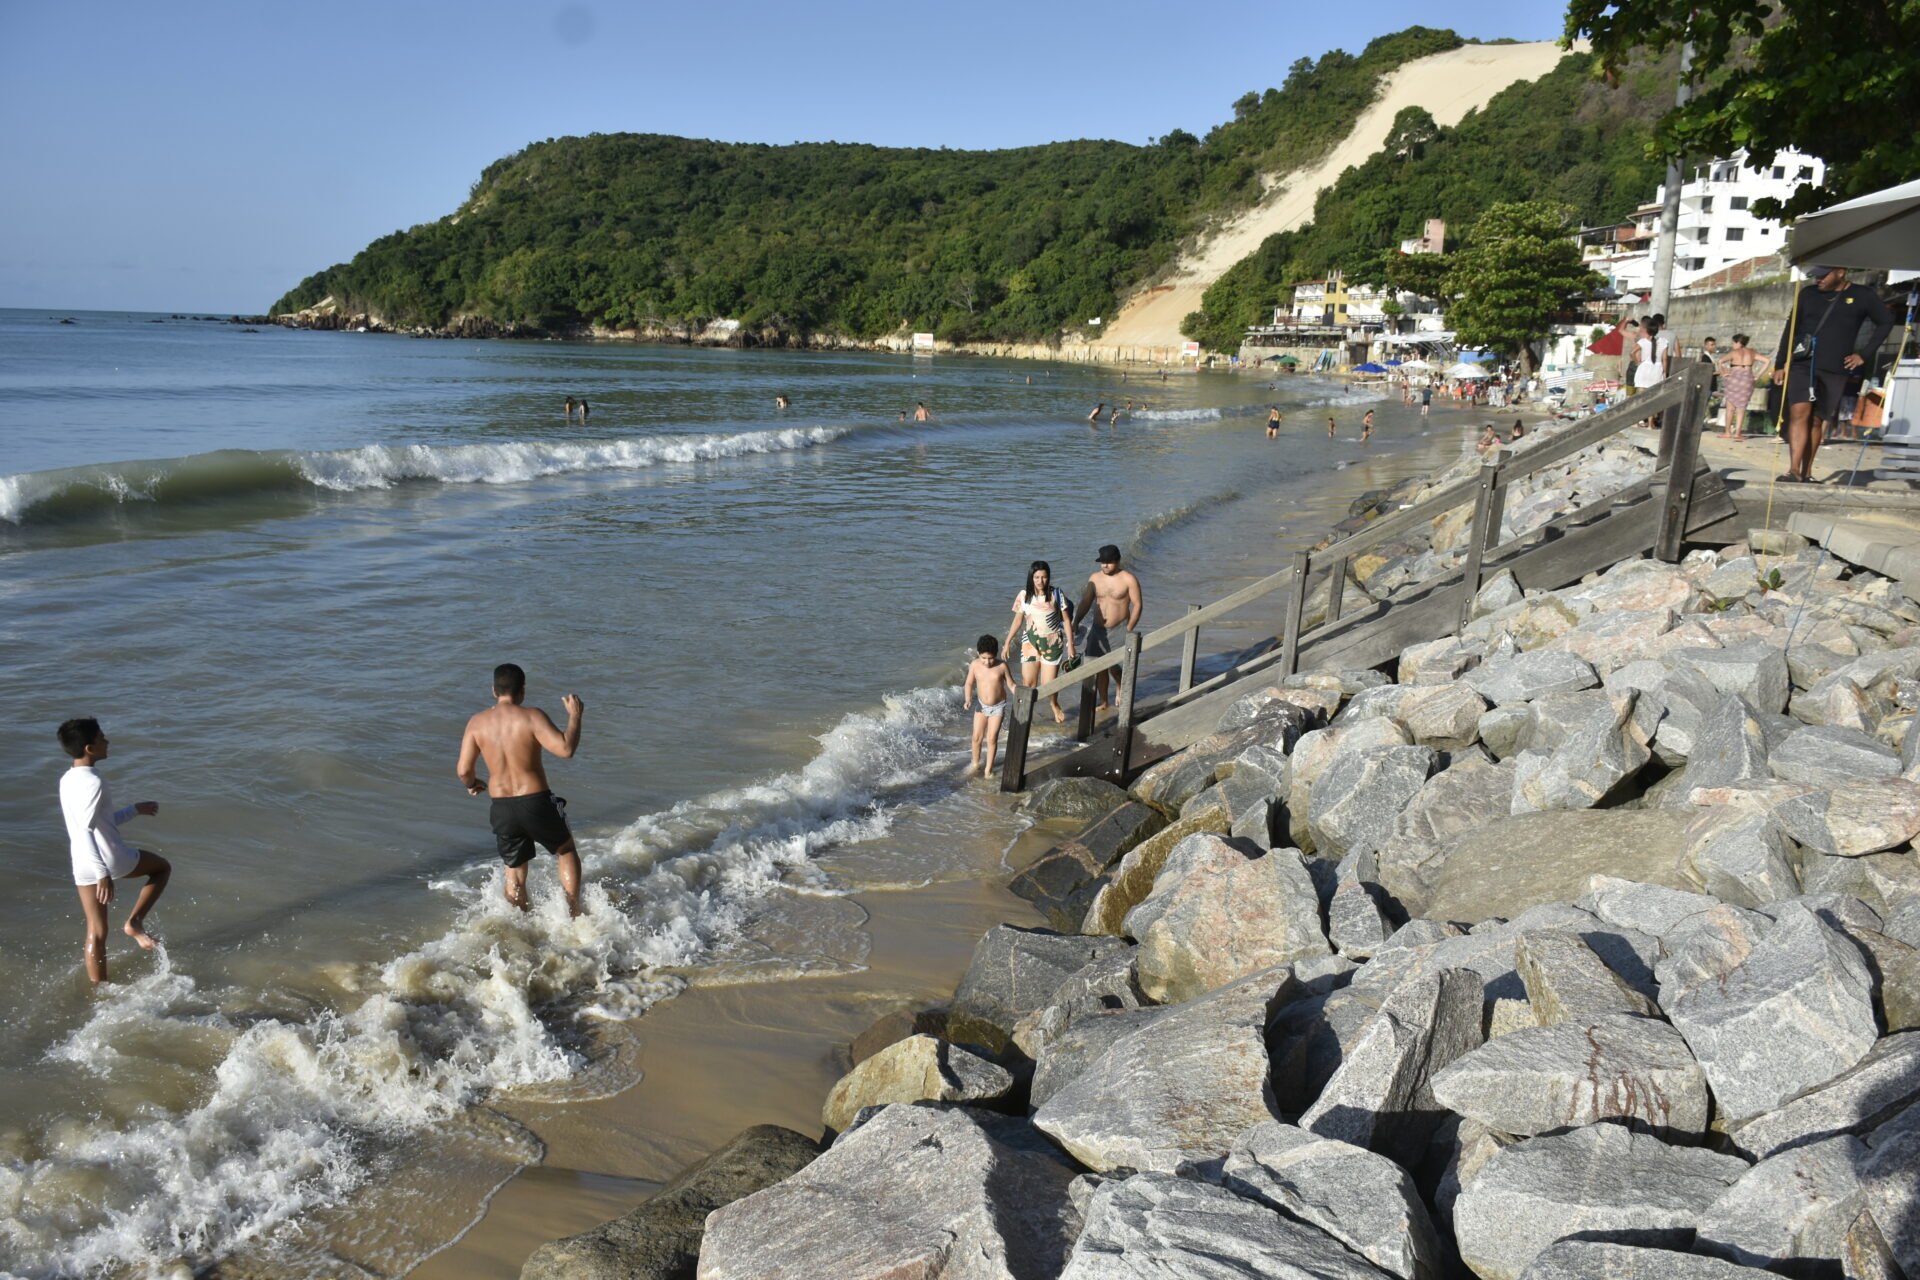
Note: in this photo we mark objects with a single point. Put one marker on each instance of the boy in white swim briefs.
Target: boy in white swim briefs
(101, 854)
(991, 681)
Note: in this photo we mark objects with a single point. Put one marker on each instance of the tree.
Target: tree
(1518, 270)
(1839, 78)
(1421, 273)
(1410, 133)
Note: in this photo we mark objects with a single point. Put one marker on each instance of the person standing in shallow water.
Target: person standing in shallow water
(100, 853)
(510, 738)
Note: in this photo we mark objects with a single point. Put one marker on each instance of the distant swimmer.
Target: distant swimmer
(510, 737)
(571, 402)
(1273, 424)
(920, 413)
(1114, 594)
(1366, 427)
(781, 402)
(989, 682)
(100, 853)
(584, 410)
(1114, 416)
(1329, 426)
(1098, 409)
(903, 415)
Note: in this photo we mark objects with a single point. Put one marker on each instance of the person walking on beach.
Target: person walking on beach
(989, 682)
(1043, 622)
(1111, 602)
(1273, 423)
(1739, 370)
(1836, 328)
(1426, 399)
(510, 738)
(1366, 427)
(100, 853)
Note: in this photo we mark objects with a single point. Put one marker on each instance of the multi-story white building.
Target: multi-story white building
(1717, 228)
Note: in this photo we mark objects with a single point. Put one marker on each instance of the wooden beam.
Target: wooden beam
(1124, 703)
(1189, 652)
(1296, 608)
(1687, 423)
(1337, 588)
(1484, 530)
(1013, 770)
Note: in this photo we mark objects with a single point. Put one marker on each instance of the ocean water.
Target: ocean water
(280, 568)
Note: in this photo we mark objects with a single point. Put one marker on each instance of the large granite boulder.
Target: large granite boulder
(1363, 1200)
(1595, 763)
(1063, 1056)
(1828, 756)
(1891, 1176)
(660, 1240)
(915, 1191)
(1567, 982)
(1015, 971)
(1616, 1067)
(1742, 857)
(1791, 1212)
(1381, 1097)
(1351, 806)
(1753, 670)
(1062, 881)
(1525, 677)
(1103, 986)
(1122, 887)
(1793, 1012)
(1180, 1087)
(1601, 1181)
(1855, 817)
(1878, 1087)
(1729, 745)
(1507, 865)
(1316, 752)
(1357, 912)
(1084, 799)
(1153, 1226)
(1454, 800)
(1217, 914)
(917, 1069)
(1578, 1259)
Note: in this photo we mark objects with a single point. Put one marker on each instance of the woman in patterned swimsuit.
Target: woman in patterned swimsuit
(1043, 621)
(1737, 373)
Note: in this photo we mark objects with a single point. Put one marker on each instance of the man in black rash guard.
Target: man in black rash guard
(1836, 328)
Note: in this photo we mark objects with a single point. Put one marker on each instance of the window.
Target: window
(1706, 204)
(1738, 202)
(1779, 171)
(1806, 173)
(1736, 233)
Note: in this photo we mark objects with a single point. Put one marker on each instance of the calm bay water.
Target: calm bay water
(280, 567)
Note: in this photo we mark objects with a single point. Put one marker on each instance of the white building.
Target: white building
(1717, 228)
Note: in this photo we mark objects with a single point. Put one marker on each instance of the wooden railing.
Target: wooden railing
(1682, 399)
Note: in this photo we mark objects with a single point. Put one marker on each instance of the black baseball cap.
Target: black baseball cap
(1108, 554)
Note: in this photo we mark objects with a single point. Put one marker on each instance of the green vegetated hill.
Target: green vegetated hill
(1565, 137)
(638, 230)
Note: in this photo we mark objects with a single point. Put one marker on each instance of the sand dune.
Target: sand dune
(1447, 84)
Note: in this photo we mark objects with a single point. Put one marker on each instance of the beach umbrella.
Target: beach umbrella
(1415, 366)
(1464, 370)
(1395, 364)
(1880, 229)
(1284, 360)
(1369, 367)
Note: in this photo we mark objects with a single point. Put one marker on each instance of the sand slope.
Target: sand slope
(1447, 84)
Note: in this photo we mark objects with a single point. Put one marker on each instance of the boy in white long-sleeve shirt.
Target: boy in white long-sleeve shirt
(101, 854)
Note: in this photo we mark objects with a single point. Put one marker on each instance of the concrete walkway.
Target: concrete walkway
(1886, 542)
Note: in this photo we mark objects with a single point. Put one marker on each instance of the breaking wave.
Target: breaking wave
(1176, 415)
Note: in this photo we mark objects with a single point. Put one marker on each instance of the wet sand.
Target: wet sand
(718, 1059)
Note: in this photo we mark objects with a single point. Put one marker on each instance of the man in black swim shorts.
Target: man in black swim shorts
(524, 813)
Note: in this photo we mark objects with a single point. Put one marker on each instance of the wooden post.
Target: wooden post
(1296, 608)
(1688, 420)
(1083, 723)
(1123, 709)
(1336, 589)
(1189, 652)
(1013, 769)
(1485, 528)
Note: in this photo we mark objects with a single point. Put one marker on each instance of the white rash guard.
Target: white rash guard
(93, 827)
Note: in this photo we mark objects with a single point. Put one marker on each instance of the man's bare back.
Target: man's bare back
(524, 813)
(510, 739)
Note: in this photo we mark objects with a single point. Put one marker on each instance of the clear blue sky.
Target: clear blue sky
(184, 156)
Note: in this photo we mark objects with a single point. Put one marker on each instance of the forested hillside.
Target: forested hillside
(1565, 137)
(627, 230)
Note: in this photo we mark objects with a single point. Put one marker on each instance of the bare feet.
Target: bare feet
(133, 929)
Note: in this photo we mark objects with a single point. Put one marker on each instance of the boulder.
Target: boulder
(1615, 1067)
(1170, 783)
(1381, 1097)
(1837, 701)
(1752, 670)
(1603, 1260)
(1791, 1212)
(1879, 1086)
(1317, 751)
(1793, 1012)
(1637, 586)
(1123, 885)
(1356, 915)
(1180, 1087)
(1729, 746)
(1445, 716)
(1866, 1254)
(1365, 1201)
(1891, 1176)
(660, 1240)
(1742, 858)
(1310, 1038)
(1217, 914)
(1015, 971)
(917, 1069)
(1684, 699)
(1437, 662)
(1454, 800)
(1506, 865)
(1598, 1182)
(914, 1191)
(1567, 982)
(894, 1027)
(1828, 756)
(1060, 1057)
(1854, 817)
(1062, 882)
(1611, 640)
(1468, 1145)
(1352, 805)
(1153, 1226)
(1592, 766)
(1082, 798)
(1525, 677)
(1103, 986)
(1504, 731)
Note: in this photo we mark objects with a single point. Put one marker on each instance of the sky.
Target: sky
(205, 157)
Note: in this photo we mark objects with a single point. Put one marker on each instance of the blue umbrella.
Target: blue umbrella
(1391, 364)
(1369, 367)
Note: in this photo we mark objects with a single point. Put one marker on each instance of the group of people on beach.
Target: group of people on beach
(1049, 640)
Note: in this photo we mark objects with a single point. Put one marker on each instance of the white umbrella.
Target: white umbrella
(1465, 370)
(1877, 230)
(1414, 366)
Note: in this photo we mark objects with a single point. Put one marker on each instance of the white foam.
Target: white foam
(1176, 415)
(487, 1005)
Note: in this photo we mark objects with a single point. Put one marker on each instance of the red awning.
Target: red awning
(1613, 344)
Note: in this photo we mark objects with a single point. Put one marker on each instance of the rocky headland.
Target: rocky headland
(1582, 943)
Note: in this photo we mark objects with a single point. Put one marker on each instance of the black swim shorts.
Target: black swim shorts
(519, 822)
(1097, 642)
(1823, 388)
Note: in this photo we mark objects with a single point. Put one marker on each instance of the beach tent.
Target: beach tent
(1369, 367)
(1881, 229)
(1464, 370)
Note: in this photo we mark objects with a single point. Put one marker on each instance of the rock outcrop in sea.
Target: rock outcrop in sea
(1584, 943)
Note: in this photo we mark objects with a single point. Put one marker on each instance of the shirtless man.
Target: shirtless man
(1117, 592)
(510, 738)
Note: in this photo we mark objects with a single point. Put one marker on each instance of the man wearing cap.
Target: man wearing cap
(1117, 593)
(1835, 329)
